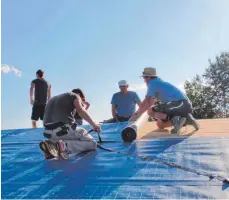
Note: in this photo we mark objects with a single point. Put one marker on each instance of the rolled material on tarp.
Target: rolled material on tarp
(130, 132)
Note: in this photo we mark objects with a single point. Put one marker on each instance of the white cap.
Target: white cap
(122, 83)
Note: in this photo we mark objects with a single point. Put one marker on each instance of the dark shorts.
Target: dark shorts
(174, 108)
(38, 112)
(123, 119)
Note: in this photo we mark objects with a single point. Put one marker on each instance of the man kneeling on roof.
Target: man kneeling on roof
(123, 103)
(63, 134)
(174, 107)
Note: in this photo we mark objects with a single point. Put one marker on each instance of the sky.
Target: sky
(93, 44)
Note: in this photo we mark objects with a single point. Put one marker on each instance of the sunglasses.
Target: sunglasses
(146, 77)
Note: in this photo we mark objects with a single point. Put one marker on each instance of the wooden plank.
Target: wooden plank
(208, 128)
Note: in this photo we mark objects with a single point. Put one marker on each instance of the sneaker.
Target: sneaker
(192, 121)
(177, 123)
(62, 149)
(49, 149)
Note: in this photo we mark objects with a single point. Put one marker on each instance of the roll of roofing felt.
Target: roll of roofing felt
(130, 132)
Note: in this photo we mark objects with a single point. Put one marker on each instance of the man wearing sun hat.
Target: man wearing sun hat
(174, 107)
(123, 103)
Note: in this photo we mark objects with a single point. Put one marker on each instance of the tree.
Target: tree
(210, 93)
(200, 95)
(217, 77)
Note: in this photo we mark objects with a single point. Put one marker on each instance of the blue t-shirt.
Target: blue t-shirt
(126, 104)
(164, 91)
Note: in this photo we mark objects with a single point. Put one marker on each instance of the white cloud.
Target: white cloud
(6, 69)
(138, 87)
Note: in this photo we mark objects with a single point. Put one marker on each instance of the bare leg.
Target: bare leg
(157, 115)
(34, 124)
(163, 125)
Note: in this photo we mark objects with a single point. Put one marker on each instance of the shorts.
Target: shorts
(174, 108)
(38, 112)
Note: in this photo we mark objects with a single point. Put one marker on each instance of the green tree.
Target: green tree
(200, 96)
(210, 93)
(217, 77)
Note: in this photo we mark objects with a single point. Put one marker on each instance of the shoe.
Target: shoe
(62, 149)
(192, 121)
(177, 123)
(49, 149)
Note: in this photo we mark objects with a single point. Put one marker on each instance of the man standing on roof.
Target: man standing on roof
(174, 107)
(42, 95)
(123, 103)
(62, 131)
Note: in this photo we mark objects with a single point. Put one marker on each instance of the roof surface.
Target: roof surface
(109, 175)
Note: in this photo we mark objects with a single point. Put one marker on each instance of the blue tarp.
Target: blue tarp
(107, 175)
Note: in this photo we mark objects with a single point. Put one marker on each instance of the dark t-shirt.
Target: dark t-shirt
(60, 108)
(76, 115)
(41, 90)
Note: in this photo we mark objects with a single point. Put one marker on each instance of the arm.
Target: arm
(49, 92)
(147, 102)
(138, 100)
(83, 113)
(113, 108)
(87, 104)
(31, 92)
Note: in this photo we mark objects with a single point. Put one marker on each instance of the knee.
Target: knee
(81, 131)
(150, 112)
(160, 124)
(90, 142)
(91, 145)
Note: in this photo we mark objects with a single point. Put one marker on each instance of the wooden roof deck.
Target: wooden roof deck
(208, 128)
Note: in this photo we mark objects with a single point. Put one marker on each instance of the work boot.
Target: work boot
(49, 149)
(62, 149)
(192, 121)
(177, 123)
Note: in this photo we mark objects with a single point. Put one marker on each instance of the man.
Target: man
(123, 103)
(174, 107)
(42, 94)
(63, 134)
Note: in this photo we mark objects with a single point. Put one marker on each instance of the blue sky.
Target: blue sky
(94, 44)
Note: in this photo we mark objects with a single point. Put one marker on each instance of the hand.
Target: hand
(31, 101)
(97, 128)
(116, 119)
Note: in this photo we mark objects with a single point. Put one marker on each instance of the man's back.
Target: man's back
(41, 91)
(164, 91)
(60, 108)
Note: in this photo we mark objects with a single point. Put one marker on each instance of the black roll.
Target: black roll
(129, 134)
